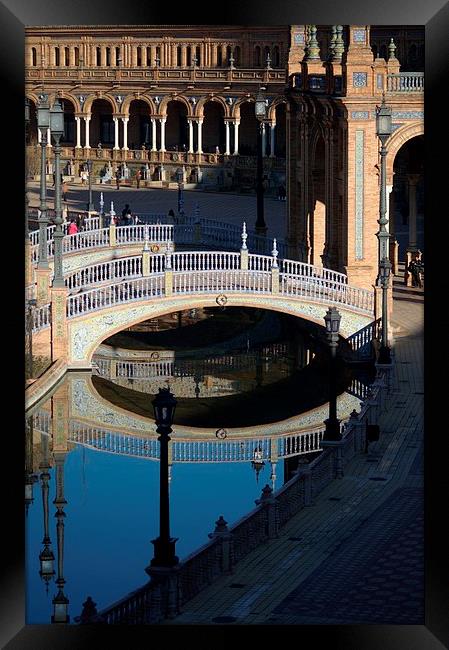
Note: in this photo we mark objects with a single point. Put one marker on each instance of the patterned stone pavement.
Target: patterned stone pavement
(232, 208)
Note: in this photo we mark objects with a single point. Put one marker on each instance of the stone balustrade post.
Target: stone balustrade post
(268, 501)
(274, 270)
(113, 369)
(168, 581)
(336, 448)
(112, 234)
(28, 263)
(225, 539)
(168, 274)
(358, 429)
(244, 250)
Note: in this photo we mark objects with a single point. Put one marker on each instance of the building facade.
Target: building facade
(168, 98)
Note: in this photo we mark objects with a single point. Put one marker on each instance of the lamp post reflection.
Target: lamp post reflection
(46, 556)
(60, 601)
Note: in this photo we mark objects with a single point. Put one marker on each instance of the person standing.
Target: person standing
(64, 191)
(117, 179)
(138, 177)
(73, 228)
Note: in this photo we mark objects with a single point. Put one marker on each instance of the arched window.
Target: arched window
(219, 57)
(189, 56)
(266, 53)
(228, 54)
(117, 55)
(237, 55)
(57, 61)
(158, 55)
(198, 55)
(98, 52)
(77, 55)
(139, 56)
(108, 56)
(33, 56)
(257, 56)
(179, 56)
(66, 56)
(148, 56)
(276, 57)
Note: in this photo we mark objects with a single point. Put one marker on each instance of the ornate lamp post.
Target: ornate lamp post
(164, 406)
(43, 122)
(90, 205)
(383, 131)
(32, 302)
(180, 179)
(46, 556)
(57, 129)
(332, 320)
(260, 111)
(60, 601)
(30, 477)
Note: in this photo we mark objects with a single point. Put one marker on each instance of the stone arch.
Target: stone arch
(90, 331)
(214, 113)
(271, 113)
(139, 126)
(130, 98)
(176, 98)
(199, 108)
(87, 106)
(238, 103)
(395, 142)
(316, 212)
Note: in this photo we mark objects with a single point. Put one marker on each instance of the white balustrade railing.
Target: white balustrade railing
(293, 267)
(155, 233)
(125, 267)
(41, 317)
(405, 82)
(103, 297)
(232, 280)
(85, 239)
(205, 261)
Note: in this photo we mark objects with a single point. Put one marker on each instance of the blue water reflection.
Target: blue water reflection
(112, 514)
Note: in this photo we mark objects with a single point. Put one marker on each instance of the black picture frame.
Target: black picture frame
(434, 15)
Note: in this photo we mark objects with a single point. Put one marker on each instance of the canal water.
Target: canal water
(237, 369)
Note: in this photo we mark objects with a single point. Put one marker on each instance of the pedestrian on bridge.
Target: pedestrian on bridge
(73, 228)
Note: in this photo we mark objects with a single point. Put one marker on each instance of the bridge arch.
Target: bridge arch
(86, 333)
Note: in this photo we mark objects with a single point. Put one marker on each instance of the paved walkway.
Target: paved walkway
(356, 555)
(232, 208)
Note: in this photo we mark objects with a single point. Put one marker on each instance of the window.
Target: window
(198, 55)
(267, 54)
(237, 55)
(98, 51)
(117, 55)
(57, 62)
(77, 56)
(276, 57)
(139, 56)
(179, 56)
(148, 57)
(189, 56)
(107, 130)
(257, 56)
(66, 56)
(108, 56)
(158, 55)
(219, 57)
(228, 54)
(33, 56)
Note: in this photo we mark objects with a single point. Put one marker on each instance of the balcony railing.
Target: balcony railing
(405, 82)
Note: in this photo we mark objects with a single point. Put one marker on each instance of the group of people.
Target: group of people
(415, 268)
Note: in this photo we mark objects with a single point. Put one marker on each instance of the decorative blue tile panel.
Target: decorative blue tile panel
(299, 39)
(396, 126)
(359, 36)
(359, 79)
(359, 181)
(407, 115)
(360, 115)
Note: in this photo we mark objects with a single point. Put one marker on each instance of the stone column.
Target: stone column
(236, 137)
(272, 133)
(191, 136)
(228, 143)
(224, 63)
(153, 138)
(125, 133)
(116, 132)
(87, 122)
(78, 133)
(163, 120)
(183, 55)
(49, 138)
(200, 135)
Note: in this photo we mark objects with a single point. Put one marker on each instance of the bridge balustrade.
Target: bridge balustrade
(41, 317)
(119, 269)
